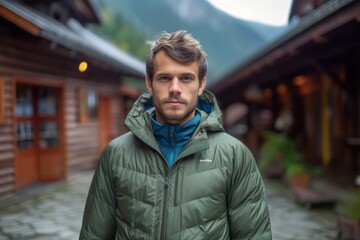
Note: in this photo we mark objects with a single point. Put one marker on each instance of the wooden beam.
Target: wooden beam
(322, 69)
(20, 21)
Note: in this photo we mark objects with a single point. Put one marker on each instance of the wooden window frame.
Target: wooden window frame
(85, 111)
(83, 108)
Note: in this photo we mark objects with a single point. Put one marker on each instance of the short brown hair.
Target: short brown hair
(179, 45)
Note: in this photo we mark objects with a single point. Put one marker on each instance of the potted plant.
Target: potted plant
(349, 216)
(298, 175)
(277, 153)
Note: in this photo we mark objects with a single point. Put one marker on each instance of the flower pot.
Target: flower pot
(300, 181)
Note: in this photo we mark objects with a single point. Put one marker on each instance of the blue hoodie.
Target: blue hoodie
(172, 138)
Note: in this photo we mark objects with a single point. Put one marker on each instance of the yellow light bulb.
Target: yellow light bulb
(83, 66)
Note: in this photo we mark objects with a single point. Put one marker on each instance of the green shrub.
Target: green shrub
(350, 208)
(278, 149)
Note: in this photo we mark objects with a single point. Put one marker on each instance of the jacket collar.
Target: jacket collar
(139, 118)
(171, 134)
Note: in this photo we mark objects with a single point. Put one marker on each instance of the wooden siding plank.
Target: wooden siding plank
(7, 180)
(85, 160)
(6, 129)
(6, 170)
(6, 147)
(7, 140)
(6, 156)
(82, 138)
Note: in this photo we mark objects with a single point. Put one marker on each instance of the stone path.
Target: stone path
(293, 222)
(56, 213)
(53, 214)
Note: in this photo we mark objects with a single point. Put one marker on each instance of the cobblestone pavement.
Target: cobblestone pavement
(55, 214)
(51, 214)
(293, 222)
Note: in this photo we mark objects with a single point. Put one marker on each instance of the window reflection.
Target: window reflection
(24, 97)
(25, 135)
(49, 134)
(47, 103)
(36, 111)
(92, 104)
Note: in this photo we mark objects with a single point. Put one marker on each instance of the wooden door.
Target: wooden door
(39, 155)
(50, 155)
(26, 155)
(105, 121)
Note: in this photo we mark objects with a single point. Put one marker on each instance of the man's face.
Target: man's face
(175, 89)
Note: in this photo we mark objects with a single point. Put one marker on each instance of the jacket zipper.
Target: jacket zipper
(165, 204)
(171, 136)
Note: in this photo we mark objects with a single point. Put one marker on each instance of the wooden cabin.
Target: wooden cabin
(61, 93)
(312, 73)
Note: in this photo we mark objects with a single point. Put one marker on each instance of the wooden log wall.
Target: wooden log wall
(34, 58)
(7, 141)
(118, 117)
(82, 139)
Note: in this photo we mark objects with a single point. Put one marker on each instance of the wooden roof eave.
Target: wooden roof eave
(310, 29)
(78, 40)
(20, 21)
(90, 9)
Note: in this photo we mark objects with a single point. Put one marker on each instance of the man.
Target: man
(176, 174)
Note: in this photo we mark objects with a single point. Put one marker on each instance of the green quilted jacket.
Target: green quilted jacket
(213, 191)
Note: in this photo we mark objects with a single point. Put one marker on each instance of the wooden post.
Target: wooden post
(325, 122)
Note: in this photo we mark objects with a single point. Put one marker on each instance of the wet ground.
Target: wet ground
(55, 214)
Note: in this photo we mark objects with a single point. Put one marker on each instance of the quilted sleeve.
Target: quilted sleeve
(99, 214)
(247, 204)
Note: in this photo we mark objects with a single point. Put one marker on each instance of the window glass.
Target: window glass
(47, 103)
(49, 134)
(92, 104)
(24, 97)
(25, 135)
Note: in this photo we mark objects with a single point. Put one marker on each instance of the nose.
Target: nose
(175, 87)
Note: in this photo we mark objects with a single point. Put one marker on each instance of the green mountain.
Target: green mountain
(227, 40)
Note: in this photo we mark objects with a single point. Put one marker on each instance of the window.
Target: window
(47, 110)
(49, 134)
(82, 106)
(47, 101)
(24, 102)
(88, 105)
(25, 117)
(37, 116)
(25, 135)
(92, 105)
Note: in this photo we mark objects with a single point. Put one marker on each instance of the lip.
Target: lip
(174, 102)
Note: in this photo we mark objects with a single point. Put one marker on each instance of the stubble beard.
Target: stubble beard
(171, 115)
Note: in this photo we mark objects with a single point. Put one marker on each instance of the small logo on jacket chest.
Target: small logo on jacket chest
(205, 160)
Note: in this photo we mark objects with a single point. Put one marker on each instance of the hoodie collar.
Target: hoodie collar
(174, 134)
(139, 118)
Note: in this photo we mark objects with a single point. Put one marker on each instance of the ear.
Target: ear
(148, 84)
(202, 86)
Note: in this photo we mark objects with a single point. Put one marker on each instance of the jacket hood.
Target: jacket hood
(138, 119)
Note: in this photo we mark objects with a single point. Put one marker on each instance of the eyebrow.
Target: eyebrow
(187, 74)
(163, 74)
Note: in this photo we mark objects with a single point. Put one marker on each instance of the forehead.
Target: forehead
(164, 63)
